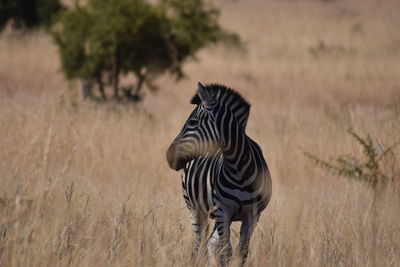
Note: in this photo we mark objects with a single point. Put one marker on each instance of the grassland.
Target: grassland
(87, 184)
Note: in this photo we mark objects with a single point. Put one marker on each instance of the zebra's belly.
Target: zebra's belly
(207, 203)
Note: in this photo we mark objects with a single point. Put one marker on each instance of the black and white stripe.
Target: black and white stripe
(224, 171)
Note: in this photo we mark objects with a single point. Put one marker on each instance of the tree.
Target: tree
(28, 13)
(107, 39)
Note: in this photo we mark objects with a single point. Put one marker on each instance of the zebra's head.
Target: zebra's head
(206, 129)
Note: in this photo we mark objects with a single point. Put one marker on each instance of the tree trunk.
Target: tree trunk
(101, 87)
(116, 75)
(141, 79)
(86, 87)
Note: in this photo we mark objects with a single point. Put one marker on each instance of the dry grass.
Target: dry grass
(85, 184)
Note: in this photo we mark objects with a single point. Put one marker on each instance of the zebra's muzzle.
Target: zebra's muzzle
(175, 162)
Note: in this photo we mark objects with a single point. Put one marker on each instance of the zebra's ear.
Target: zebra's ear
(204, 95)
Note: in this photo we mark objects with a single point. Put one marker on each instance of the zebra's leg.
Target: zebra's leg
(199, 222)
(212, 247)
(248, 225)
(223, 226)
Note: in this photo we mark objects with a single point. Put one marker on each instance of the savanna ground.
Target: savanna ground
(87, 184)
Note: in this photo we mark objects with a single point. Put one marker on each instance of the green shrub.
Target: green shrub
(28, 13)
(107, 39)
(368, 170)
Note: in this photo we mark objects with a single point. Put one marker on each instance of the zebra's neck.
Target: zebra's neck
(237, 152)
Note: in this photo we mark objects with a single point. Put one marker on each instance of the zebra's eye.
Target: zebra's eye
(193, 122)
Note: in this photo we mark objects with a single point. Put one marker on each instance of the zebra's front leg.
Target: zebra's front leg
(246, 230)
(212, 247)
(199, 222)
(223, 227)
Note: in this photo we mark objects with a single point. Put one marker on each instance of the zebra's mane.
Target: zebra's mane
(227, 96)
(219, 91)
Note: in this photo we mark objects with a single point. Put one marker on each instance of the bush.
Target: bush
(106, 39)
(368, 170)
(28, 13)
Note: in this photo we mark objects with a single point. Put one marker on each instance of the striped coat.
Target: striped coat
(224, 172)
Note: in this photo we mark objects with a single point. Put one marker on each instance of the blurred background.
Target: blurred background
(84, 179)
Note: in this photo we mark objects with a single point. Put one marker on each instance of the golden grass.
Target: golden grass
(86, 184)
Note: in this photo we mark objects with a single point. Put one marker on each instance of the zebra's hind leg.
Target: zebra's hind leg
(246, 230)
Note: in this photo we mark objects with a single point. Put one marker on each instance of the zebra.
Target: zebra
(225, 175)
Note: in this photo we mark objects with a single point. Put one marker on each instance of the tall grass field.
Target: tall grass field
(85, 183)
